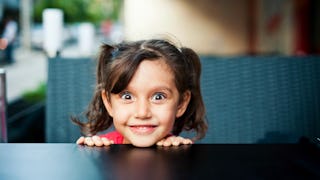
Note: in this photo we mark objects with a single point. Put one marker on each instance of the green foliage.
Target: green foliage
(36, 95)
(81, 10)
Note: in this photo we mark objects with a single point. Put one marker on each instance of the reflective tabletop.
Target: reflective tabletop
(198, 161)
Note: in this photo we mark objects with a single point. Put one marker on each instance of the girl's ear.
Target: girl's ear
(183, 104)
(106, 102)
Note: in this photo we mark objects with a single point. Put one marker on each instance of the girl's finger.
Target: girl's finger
(177, 141)
(88, 141)
(187, 141)
(169, 141)
(106, 141)
(80, 140)
(160, 143)
(97, 141)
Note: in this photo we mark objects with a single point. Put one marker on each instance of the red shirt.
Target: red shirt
(114, 136)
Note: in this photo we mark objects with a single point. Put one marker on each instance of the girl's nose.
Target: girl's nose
(143, 110)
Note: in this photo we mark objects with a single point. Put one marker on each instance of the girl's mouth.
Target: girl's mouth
(143, 129)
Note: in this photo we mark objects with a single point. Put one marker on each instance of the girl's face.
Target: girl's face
(145, 112)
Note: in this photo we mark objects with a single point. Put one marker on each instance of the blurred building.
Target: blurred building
(228, 27)
(214, 27)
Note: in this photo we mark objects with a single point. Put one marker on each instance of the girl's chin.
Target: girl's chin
(143, 144)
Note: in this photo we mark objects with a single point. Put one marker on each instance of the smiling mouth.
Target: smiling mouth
(142, 129)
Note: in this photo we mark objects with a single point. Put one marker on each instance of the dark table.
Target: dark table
(198, 161)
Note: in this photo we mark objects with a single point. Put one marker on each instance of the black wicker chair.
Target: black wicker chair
(70, 88)
(261, 99)
(248, 99)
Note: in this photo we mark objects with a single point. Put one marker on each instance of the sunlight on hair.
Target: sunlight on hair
(171, 38)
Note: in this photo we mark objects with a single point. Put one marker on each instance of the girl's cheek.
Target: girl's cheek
(121, 114)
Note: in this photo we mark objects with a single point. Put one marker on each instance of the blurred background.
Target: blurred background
(44, 29)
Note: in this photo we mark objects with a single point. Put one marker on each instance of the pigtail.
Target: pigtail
(103, 59)
(195, 113)
(97, 115)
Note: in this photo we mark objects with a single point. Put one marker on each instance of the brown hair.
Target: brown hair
(117, 65)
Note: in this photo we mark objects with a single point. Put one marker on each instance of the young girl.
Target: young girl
(149, 91)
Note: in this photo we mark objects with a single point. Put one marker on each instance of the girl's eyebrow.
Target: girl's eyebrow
(163, 89)
(156, 88)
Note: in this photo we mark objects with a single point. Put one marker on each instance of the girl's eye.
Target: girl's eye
(126, 96)
(158, 97)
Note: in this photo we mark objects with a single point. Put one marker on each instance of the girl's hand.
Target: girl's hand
(174, 141)
(94, 141)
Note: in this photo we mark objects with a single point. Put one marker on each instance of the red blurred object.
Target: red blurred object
(302, 45)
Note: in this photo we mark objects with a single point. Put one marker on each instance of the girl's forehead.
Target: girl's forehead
(152, 74)
(155, 68)
(147, 69)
